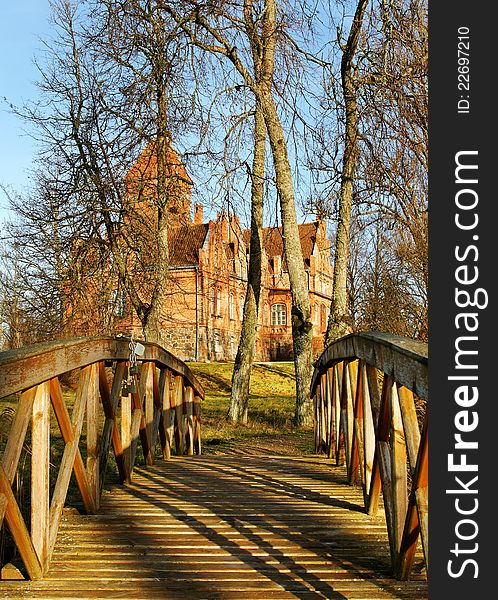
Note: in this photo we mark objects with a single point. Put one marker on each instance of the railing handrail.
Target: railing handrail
(124, 400)
(26, 367)
(402, 358)
(364, 390)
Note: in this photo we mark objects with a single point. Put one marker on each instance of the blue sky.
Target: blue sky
(22, 22)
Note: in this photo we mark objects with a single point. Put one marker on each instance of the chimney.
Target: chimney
(198, 214)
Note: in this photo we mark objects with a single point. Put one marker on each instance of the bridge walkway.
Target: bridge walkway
(226, 527)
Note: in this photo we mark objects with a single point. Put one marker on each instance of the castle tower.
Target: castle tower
(141, 184)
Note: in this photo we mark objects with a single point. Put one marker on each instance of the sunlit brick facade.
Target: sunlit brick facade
(203, 310)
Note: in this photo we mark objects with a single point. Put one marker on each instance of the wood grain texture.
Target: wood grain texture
(226, 527)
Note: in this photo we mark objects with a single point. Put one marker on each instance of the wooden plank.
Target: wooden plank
(355, 466)
(157, 384)
(110, 431)
(399, 475)
(369, 435)
(138, 424)
(374, 392)
(385, 463)
(149, 409)
(19, 530)
(316, 418)
(417, 513)
(25, 368)
(72, 433)
(347, 414)
(167, 422)
(17, 434)
(188, 403)
(329, 376)
(67, 426)
(222, 525)
(179, 431)
(323, 411)
(92, 433)
(126, 437)
(40, 459)
(410, 424)
(336, 415)
(197, 425)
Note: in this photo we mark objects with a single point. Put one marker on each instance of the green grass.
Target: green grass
(271, 402)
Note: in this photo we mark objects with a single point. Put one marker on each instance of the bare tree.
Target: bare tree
(220, 30)
(105, 82)
(245, 352)
(339, 322)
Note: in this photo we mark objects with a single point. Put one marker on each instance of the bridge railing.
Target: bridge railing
(121, 399)
(370, 396)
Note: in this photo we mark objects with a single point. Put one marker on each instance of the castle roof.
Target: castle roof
(273, 241)
(185, 242)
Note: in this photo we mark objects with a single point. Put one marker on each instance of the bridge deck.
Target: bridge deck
(225, 527)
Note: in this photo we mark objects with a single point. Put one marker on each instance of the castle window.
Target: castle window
(118, 303)
(231, 307)
(241, 305)
(279, 314)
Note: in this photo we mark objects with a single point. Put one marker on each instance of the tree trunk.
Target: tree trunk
(246, 350)
(339, 322)
(302, 326)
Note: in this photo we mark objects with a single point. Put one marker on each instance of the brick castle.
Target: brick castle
(203, 310)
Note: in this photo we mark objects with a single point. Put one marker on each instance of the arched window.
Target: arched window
(218, 301)
(231, 307)
(323, 314)
(279, 314)
(241, 305)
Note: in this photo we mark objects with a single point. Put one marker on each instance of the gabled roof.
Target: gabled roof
(274, 244)
(185, 242)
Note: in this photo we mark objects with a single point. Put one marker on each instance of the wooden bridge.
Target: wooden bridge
(211, 526)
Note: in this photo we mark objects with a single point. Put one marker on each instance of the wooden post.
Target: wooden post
(368, 433)
(71, 432)
(110, 431)
(167, 423)
(197, 425)
(178, 404)
(329, 436)
(417, 514)
(126, 435)
(157, 392)
(19, 530)
(357, 451)
(149, 409)
(317, 420)
(410, 424)
(189, 418)
(92, 423)
(399, 475)
(40, 458)
(323, 413)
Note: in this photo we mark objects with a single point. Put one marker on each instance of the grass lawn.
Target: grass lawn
(271, 404)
